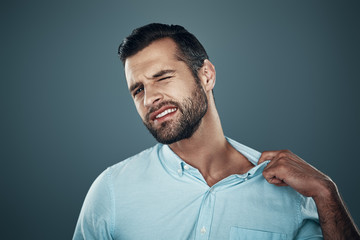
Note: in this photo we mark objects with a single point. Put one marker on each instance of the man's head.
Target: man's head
(169, 96)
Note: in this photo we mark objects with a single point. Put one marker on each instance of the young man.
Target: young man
(196, 183)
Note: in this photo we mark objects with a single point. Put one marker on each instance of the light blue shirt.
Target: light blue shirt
(156, 195)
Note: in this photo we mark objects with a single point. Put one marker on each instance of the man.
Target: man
(196, 183)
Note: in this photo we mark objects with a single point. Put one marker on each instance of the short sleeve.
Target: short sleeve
(96, 218)
(310, 227)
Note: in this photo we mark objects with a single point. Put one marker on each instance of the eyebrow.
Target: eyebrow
(156, 75)
(162, 72)
(134, 86)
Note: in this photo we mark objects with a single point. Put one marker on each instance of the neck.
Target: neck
(209, 152)
(208, 140)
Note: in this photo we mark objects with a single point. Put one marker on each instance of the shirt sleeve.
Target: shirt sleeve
(96, 219)
(310, 228)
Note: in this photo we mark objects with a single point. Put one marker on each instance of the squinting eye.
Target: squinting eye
(164, 78)
(138, 91)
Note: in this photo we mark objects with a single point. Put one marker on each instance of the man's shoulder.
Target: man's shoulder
(137, 162)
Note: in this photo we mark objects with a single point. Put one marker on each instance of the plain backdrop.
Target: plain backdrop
(287, 78)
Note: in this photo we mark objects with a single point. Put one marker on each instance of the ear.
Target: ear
(207, 75)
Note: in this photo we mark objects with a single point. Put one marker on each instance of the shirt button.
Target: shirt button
(203, 230)
(179, 171)
(246, 179)
(186, 167)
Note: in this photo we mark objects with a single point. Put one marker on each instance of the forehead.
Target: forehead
(159, 55)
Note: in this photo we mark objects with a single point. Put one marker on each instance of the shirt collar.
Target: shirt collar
(170, 160)
(175, 164)
(252, 155)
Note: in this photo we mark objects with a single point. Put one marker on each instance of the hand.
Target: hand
(287, 169)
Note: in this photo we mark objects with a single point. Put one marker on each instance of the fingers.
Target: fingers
(273, 155)
(267, 155)
(277, 170)
(276, 181)
(273, 173)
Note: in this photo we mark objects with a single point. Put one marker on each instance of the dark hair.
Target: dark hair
(189, 49)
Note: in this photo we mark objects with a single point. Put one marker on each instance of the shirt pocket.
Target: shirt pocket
(237, 233)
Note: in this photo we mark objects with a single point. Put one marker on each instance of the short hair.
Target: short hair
(189, 49)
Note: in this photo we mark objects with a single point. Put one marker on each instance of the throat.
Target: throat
(215, 162)
(241, 168)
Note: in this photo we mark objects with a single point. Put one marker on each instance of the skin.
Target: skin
(217, 159)
(209, 157)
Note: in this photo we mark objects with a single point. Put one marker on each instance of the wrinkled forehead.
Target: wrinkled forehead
(159, 55)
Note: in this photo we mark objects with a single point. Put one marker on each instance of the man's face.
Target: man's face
(170, 101)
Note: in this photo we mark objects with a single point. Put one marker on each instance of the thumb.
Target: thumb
(267, 155)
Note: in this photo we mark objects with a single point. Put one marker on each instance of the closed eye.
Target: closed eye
(164, 78)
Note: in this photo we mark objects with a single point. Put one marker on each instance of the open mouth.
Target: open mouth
(166, 112)
(163, 113)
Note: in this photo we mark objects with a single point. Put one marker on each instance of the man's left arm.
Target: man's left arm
(287, 169)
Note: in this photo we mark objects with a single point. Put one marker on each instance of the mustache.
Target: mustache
(160, 105)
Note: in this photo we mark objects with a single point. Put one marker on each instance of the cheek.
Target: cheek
(141, 110)
(176, 91)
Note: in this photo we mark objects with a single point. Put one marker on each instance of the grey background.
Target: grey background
(287, 78)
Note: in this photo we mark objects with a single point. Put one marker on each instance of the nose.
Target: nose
(152, 96)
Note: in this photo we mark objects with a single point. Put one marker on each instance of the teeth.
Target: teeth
(167, 111)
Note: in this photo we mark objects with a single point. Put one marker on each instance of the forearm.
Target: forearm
(335, 220)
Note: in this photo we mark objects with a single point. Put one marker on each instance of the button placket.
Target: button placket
(205, 215)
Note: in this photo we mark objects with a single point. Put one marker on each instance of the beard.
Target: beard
(192, 110)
